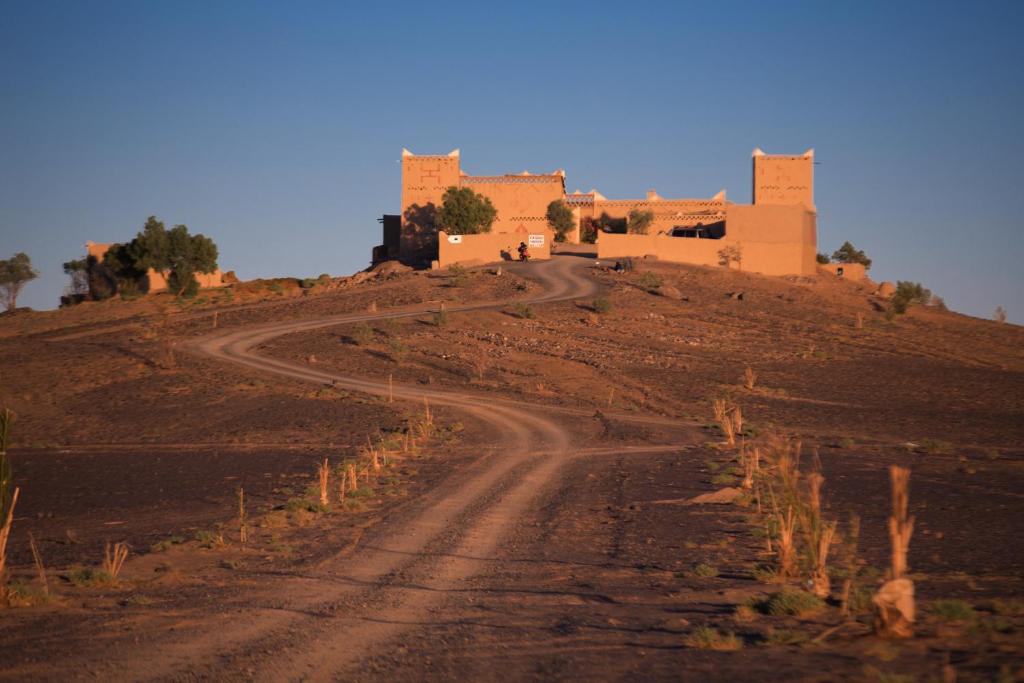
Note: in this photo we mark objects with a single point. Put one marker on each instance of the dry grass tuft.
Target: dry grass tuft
(323, 472)
(749, 378)
(243, 532)
(113, 559)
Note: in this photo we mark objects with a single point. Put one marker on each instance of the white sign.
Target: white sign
(455, 239)
(536, 240)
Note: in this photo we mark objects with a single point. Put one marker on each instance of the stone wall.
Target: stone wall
(491, 247)
(773, 240)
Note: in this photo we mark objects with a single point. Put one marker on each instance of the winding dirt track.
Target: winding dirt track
(317, 626)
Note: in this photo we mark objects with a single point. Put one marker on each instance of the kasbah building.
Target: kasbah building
(774, 235)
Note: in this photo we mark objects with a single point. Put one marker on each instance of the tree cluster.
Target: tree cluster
(176, 254)
(849, 254)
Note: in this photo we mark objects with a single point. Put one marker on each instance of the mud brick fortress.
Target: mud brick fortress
(775, 235)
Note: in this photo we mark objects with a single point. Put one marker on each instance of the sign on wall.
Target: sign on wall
(536, 240)
(455, 239)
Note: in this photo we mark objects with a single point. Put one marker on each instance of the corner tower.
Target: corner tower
(784, 179)
(424, 181)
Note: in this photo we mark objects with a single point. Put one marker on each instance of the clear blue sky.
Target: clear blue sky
(276, 128)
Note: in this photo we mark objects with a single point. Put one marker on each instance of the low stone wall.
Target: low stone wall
(847, 271)
(773, 240)
(491, 247)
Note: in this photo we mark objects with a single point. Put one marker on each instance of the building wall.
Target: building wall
(774, 240)
(847, 271)
(490, 247)
(521, 201)
(668, 213)
(424, 181)
(784, 179)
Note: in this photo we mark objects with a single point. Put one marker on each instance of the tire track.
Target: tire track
(322, 623)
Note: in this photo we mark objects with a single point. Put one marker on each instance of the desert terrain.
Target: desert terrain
(527, 441)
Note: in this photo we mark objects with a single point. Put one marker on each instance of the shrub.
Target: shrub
(789, 602)
(588, 231)
(953, 610)
(823, 258)
(1000, 315)
(457, 276)
(362, 334)
(441, 318)
(524, 310)
(601, 305)
(639, 222)
(708, 638)
(705, 571)
(649, 281)
(730, 254)
(908, 293)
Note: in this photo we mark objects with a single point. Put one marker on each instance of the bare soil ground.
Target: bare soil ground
(534, 545)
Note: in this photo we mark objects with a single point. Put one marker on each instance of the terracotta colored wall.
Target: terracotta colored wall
(784, 179)
(668, 213)
(489, 247)
(424, 181)
(851, 271)
(775, 240)
(521, 201)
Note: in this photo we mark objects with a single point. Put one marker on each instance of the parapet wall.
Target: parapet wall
(491, 247)
(773, 240)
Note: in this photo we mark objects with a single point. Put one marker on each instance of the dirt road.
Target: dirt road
(349, 606)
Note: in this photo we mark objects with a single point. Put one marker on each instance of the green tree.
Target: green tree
(188, 255)
(560, 219)
(151, 248)
(909, 293)
(850, 254)
(174, 253)
(464, 212)
(639, 222)
(15, 273)
(823, 259)
(77, 270)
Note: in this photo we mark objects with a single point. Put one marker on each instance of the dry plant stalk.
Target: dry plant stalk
(113, 558)
(787, 547)
(853, 537)
(720, 407)
(5, 533)
(860, 321)
(391, 388)
(342, 482)
(901, 526)
(737, 420)
(480, 363)
(38, 560)
(215, 320)
(353, 482)
(243, 530)
(822, 586)
(749, 378)
(751, 460)
(243, 527)
(894, 601)
(323, 471)
(727, 428)
(372, 308)
(427, 417)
